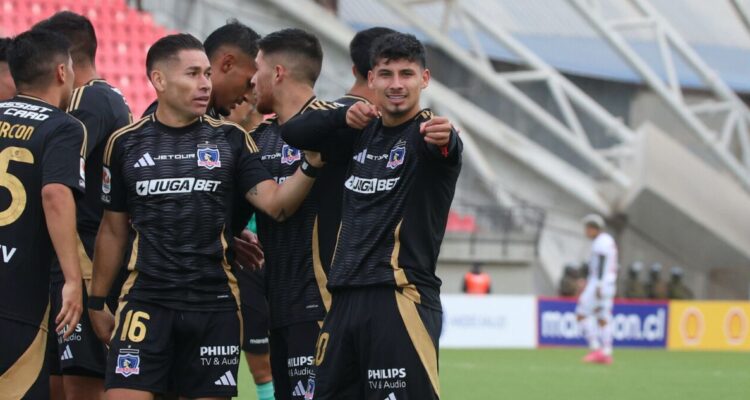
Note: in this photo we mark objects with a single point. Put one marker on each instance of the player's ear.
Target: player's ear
(157, 79)
(425, 78)
(226, 62)
(61, 74)
(370, 79)
(278, 73)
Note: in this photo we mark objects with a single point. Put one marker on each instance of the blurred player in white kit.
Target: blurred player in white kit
(595, 303)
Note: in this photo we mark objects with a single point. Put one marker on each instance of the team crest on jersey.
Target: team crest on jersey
(128, 362)
(289, 155)
(396, 157)
(208, 156)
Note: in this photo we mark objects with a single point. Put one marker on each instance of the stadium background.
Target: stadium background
(633, 109)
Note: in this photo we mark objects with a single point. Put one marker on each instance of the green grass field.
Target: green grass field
(553, 374)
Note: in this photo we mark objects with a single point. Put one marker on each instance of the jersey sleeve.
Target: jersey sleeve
(449, 154)
(114, 189)
(250, 170)
(321, 129)
(63, 159)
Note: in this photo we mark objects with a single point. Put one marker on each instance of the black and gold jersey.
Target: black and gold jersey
(295, 285)
(39, 145)
(103, 110)
(397, 195)
(178, 186)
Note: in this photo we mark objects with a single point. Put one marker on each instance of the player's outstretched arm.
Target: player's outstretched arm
(440, 137)
(281, 201)
(60, 213)
(316, 129)
(108, 254)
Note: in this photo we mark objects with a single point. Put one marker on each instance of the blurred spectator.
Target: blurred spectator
(655, 288)
(634, 287)
(476, 281)
(569, 281)
(7, 86)
(676, 289)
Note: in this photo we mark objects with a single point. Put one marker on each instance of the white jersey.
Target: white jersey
(603, 260)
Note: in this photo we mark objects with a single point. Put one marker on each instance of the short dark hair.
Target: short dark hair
(398, 46)
(33, 56)
(360, 46)
(297, 43)
(79, 31)
(234, 33)
(168, 47)
(4, 43)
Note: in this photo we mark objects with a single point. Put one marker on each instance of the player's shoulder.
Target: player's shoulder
(232, 130)
(94, 94)
(318, 104)
(221, 123)
(264, 126)
(603, 241)
(349, 100)
(424, 115)
(119, 135)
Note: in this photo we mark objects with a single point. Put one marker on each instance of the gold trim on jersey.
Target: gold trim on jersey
(355, 97)
(217, 123)
(420, 338)
(399, 275)
(426, 114)
(134, 252)
(87, 266)
(320, 274)
(231, 280)
(129, 283)
(85, 144)
(75, 98)
(20, 377)
(120, 132)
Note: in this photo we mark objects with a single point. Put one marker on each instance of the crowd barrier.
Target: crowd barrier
(497, 321)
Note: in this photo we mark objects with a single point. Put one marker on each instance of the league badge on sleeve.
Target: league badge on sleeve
(128, 362)
(289, 155)
(106, 180)
(396, 157)
(208, 156)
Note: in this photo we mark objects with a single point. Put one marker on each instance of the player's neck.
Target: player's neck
(291, 101)
(390, 120)
(172, 118)
(360, 89)
(48, 96)
(84, 74)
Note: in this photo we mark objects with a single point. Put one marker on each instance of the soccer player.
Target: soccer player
(359, 52)
(594, 309)
(172, 177)
(289, 63)
(81, 358)
(231, 49)
(251, 277)
(41, 170)
(381, 333)
(7, 87)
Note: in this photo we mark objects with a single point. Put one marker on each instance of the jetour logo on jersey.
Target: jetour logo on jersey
(208, 156)
(175, 185)
(369, 186)
(289, 155)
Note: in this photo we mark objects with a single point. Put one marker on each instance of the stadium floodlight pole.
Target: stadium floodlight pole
(738, 115)
(576, 141)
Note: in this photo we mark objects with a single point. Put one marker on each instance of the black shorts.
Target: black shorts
(292, 358)
(255, 318)
(189, 353)
(23, 370)
(82, 353)
(378, 344)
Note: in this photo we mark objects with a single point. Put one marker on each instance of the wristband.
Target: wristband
(96, 303)
(308, 169)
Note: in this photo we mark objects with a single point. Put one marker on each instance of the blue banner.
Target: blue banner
(636, 324)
